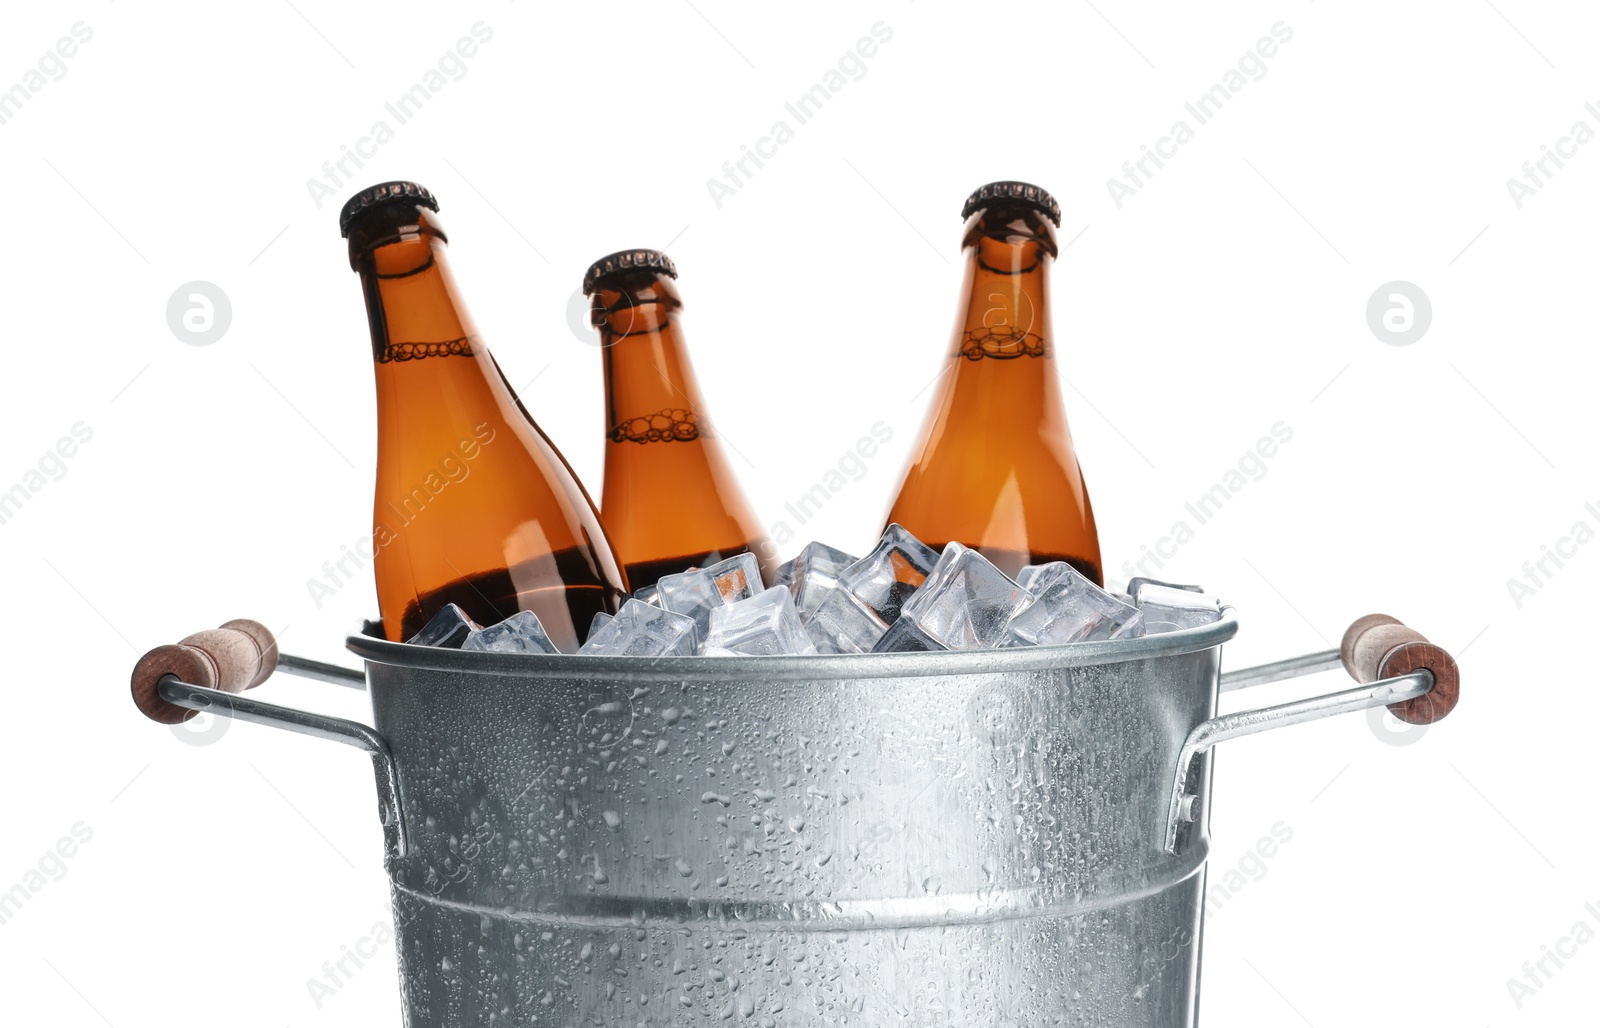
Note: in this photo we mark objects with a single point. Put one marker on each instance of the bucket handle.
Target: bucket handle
(209, 670)
(1418, 681)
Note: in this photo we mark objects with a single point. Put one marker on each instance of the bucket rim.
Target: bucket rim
(810, 667)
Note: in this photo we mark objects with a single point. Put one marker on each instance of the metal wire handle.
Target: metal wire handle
(1184, 809)
(224, 662)
(1418, 681)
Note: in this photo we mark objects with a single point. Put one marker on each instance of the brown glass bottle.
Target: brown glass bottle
(474, 505)
(670, 500)
(994, 466)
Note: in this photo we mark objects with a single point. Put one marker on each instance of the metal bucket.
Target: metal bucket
(1001, 837)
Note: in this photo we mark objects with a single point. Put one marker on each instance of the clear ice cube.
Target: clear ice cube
(812, 574)
(1026, 575)
(1036, 578)
(448, 628)
(966, 602)
(649, 594)
(843, 624)
(519, 633)
(885, 578)
(763, 625)
(597, 622)
(642, 630)
(1073, 609)
(696, 593)
(905, 637)
(1169, 609)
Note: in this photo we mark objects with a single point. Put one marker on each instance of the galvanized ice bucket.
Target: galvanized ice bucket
(1004, 837)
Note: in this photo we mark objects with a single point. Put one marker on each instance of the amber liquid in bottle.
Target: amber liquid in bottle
(473, 505)
(994, 467)
(670, 499)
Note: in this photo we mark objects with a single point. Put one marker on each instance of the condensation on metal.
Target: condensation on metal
(972, 838)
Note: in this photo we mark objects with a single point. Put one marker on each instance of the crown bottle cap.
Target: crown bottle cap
(627, 260)
(1016, 193)
(384, 194)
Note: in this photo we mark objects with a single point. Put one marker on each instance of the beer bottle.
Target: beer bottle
(474, 506)
(670, 500)
(994, 466)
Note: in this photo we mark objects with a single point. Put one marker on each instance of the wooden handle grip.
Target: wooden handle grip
(238, 656)
(1378, 646)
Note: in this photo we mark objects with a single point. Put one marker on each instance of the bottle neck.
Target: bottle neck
(437, 382)
(650, 385)
(1005, 314)
(413, 307)
(1003, 381)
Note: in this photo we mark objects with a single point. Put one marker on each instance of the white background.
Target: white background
(1228, 294)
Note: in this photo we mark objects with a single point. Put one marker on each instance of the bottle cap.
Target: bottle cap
(627, 260)
(1013, 192)
(382, 195)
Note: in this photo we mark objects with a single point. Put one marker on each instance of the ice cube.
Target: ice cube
(1169, 609)
(1026, 575)
(966, 602)
(905, 637)
(763, 625)
(642, 630)
(1137, 584)
(843, 624)
(649, 594)
(812, 573)
(448, 628)
(696, 593)
(1073, 609)
(597, 622)
(1036, 578)
(519, 633)
(885, 578)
